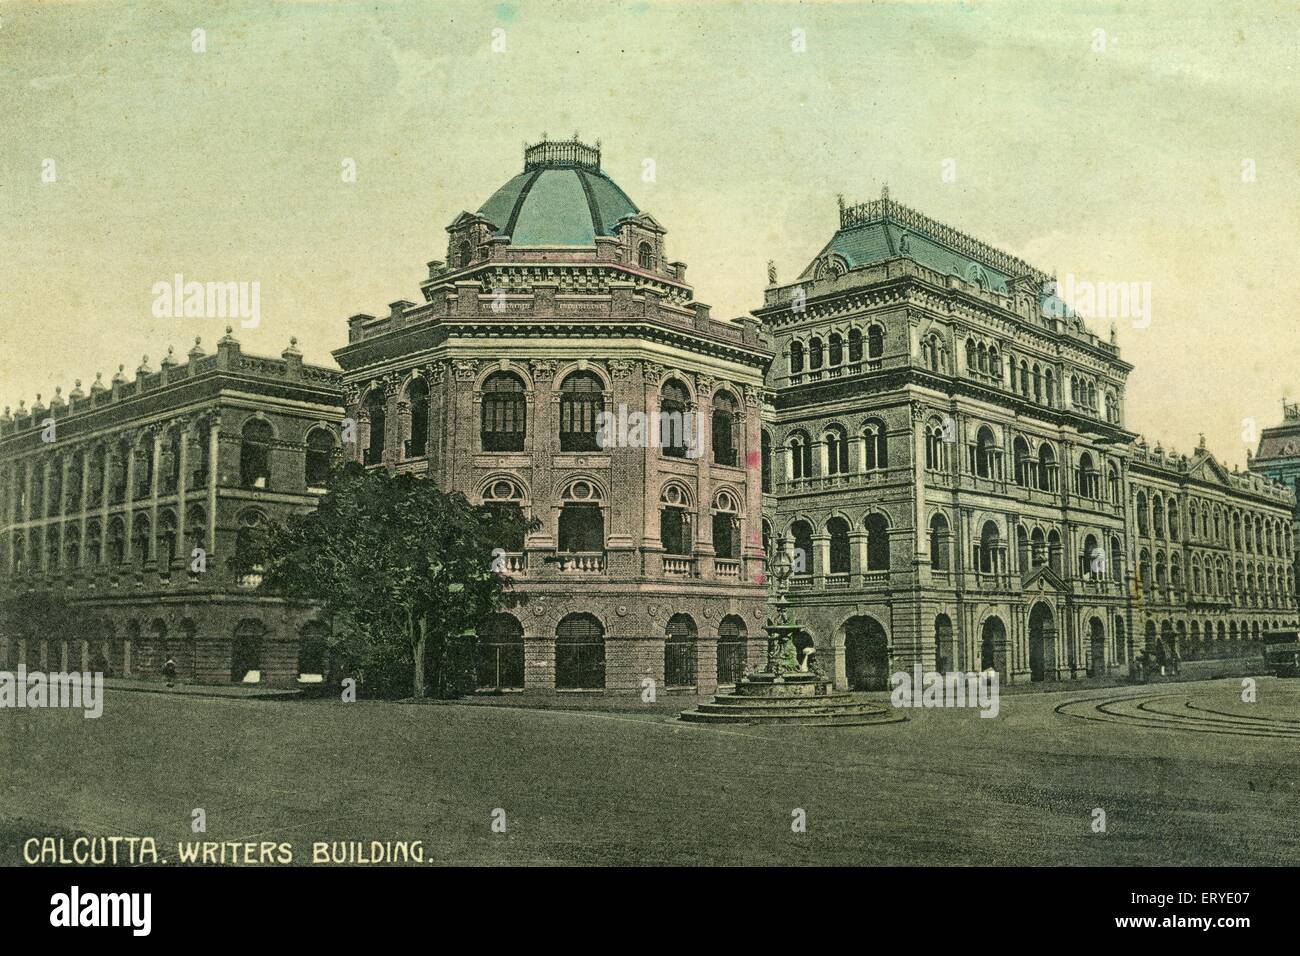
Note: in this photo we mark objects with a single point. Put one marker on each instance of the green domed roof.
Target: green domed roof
(560, 199)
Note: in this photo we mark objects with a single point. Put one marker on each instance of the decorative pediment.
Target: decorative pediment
(1205, 468)
(1042, 579)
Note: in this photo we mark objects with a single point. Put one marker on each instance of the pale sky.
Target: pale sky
(1118, 164)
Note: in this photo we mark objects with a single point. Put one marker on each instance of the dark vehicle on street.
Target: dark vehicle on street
(1282, 653)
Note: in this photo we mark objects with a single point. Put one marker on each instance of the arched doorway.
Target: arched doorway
(499, 653)
(866, 654)
(945, 648)
(580, 653)
(246, 653)
(679, 651)
(993, 646)
(1097, 648)
(1042, 643)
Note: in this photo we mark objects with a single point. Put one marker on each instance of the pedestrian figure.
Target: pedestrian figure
(169, 671)
(1175, 661)
(1160, 656)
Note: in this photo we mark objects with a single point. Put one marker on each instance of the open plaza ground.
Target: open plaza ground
(1186, 774)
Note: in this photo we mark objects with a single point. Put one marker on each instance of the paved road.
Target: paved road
(945, 787)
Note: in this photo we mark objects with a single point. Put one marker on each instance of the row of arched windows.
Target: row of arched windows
(835, 349)
(90, 470)
(839, 460)
(806, 561)
(106, 544)
(580, 652)
(503, 421)
(1159, 516)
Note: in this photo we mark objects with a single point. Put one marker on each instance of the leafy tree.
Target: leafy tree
(34, 615)
(402, 571)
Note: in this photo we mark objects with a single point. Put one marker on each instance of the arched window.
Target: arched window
(1158, 516)
(170, 463)
(55, 503)
(836, 348)
(505, 499)
(837, 451)
(505, 415)
(988, 551)
(814, 354)
(796, 357)
(675, 521)
(250, 540)
(167, 540)
(726, 526)
(679, 651)
(1116, 558)
(579, 653)
(936, 449)
(417, 397)
(855, 346)
(985, 453)
(255, 455)
(377, 416)
(72, 547)
(724, 414)
(1054, 550)
(939, 543)
(1141, 513)
(143, 470)
(876, 445)
(1092, 560)
(320, 450)
(1049, 388)
(93, 544)
(875, 342)
(1046, 467)
(1088, 479)
(877, 542)
(838, 529)
(1026, 468)
(582, 523)
(801, 561)
(1174, 528)
(645, 256)
(675, 433)
(196, 530)
(582, 399)
(800, 456)
(1115, 489)
(140, 539)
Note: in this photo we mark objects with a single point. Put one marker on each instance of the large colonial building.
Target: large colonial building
(939, 440)
(133, 499)
(558, 303)
(949, 463)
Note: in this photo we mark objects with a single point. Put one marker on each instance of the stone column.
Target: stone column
(214, 464)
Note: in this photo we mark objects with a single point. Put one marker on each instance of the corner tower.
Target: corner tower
(557, 309)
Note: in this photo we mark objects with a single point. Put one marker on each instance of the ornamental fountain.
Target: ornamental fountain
(790, 688)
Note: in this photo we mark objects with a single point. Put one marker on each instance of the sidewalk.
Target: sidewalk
(238, 691)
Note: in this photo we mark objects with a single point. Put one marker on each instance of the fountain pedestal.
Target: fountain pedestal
(788, 690)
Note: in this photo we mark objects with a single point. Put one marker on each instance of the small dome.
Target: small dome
(560, 199)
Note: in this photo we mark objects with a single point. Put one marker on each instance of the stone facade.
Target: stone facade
(1214, 553)
(946, 456)
(112, 505)
(491, 387)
